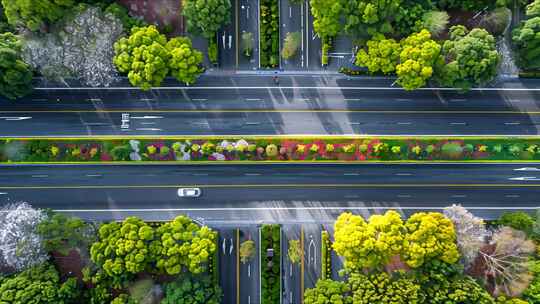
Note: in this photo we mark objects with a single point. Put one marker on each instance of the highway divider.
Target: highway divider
(269, 149)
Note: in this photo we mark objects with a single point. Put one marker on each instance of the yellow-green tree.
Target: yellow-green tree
(368, 245)
(124, 248)
(429, 236)
(143, 56)
(419, 53)
(183, 243)
(185, 62)
(382, 55)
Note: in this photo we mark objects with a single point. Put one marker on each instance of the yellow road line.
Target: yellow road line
(271, 162)
(302, 266)
(277, 111)
(223, 186)
(237, 266)
(343, 137)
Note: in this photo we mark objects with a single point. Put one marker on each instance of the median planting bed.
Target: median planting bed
(286, 149)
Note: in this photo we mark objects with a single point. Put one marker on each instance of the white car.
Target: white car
(189, 192)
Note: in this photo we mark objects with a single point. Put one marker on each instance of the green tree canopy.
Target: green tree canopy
(185, 62)
(418, 55)
(328, 292)
(326, 17)
(183, 243)
(62, 233)
(471, 58)
(382, 55)
(533, 9)
(368, 245)
(192, 290)
(370, 16)
(35, 14)
(206, 16)
(125, 248)
(526, 38)
(143, 56)
(384, 289)
(15, 74)
(39, 285)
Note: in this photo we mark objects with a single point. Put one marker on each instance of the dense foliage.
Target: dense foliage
(269, 33)
(429, 236)
(326, 17)
(382, 55)
(62, 233)
(126, 248)
(184, 245)
(35, 15)
(147, 57)
(368, 17)
(192, 290)
(470, 58)
(418, 56)
(270, 264)
(15, 74)
(38, 285)
(185, 62)
(368, 245)
(327, 292)
(143, 56)
(384, 288)
(526, 39)
(206, 17)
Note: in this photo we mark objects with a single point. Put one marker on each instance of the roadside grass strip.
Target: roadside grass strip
(269, 149)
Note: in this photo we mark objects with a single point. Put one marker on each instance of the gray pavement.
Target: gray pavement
(267, 122)
(249, 272)
(269, 193)
(248, 17)
(227, 263)
(292, 20)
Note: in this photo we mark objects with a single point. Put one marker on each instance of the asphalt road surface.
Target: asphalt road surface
(271, 193)
(242, 105)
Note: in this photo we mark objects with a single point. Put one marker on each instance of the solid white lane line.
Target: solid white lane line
(459, 196)
(200, 174)
(292, 208)
(511, 123)
(93, 175)
(39, 99)
(253, 99)
(512, 195)
(403, 99)
(458, 123)
(199, 99)
(351, 174)
(403, 174)
(40, 176)
(352, 99)
(458, 99)
(527, 169)
(147, 117)
(252, 174)
(250, 123)
(290, 88)
(404, 196)
(148, 123)
(148, 129)
(404, 123)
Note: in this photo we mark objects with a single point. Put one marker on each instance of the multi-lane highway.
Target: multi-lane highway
(319, 105)
(266, 193)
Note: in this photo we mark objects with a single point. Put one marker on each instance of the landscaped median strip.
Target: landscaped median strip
(268, 149)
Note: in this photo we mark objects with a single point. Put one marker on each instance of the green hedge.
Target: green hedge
(269, 33)
(326, 256)
(270, 266)
(345, 149)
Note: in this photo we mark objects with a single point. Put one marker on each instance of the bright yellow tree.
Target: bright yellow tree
(368, 245)
(429, 236)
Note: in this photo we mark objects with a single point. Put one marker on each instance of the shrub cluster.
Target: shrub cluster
(269, 33)
(270, 264)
